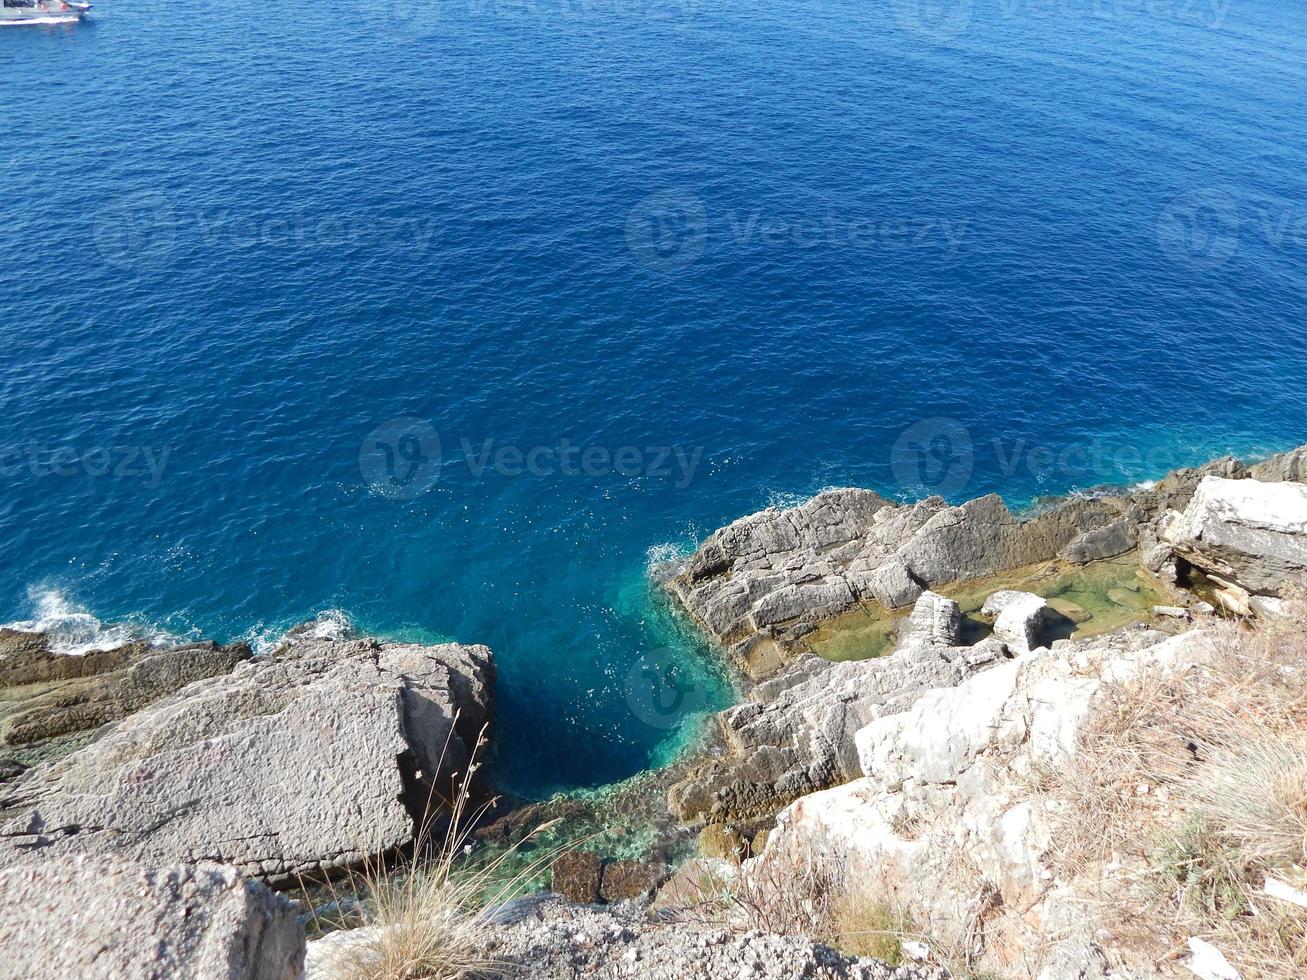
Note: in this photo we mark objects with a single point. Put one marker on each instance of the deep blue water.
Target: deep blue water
(790, 240)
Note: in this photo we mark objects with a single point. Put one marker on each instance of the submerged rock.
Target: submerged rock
(308, 760)
(81, 918)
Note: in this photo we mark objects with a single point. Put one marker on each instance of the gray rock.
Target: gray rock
(1020, 623)
(795, 734)
(759, 585)
(95, 918)
(1283, 467)
(1171, 612)
(1103, 542)
(141, 676)
(311, 759)
(551, 940)
(1249, 533)
(935, 621)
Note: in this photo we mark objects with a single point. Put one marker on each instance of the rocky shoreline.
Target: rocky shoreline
(187, 779)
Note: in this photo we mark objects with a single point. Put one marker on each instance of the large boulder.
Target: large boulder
(1248, 533)
(95, 918)
(311, 759)
(546, 938)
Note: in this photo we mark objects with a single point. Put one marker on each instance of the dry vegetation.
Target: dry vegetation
(426, 918)
(1187, 792)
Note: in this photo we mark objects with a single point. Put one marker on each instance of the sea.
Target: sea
(468, 319)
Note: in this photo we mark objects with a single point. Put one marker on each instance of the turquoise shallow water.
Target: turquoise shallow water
(956, 246)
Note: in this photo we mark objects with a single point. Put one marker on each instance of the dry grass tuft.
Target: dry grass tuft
(427, 917)
(1187, 790)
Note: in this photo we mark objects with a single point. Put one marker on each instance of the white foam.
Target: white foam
(329, 624)
(75, 631)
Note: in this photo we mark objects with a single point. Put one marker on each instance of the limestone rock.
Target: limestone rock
(1020, 623)
(1104, 542)
(134, 678)
(311, 759)
(90, 918)
(550, 940)
(943, 825)
(760, 584)
(795, 734)
(628, 881)
(1290, 467)
(1248, 532)
(935, 621)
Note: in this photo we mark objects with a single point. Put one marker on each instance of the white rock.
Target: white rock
(1020, 624)
(1208, 962)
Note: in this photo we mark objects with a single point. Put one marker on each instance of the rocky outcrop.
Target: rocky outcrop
(1246, 533)
(303, 761)
(762, 584)
(941, 824)
(549, 939)
(795, 733)
(97, 918)
(82, 692)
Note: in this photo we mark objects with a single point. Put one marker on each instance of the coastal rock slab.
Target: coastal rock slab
(1250, 533)
(310, 759)
(551, 940)
(935, 621)
(93, 689)
(106, 919)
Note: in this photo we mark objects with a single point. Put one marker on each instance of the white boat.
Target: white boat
(15, 12)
